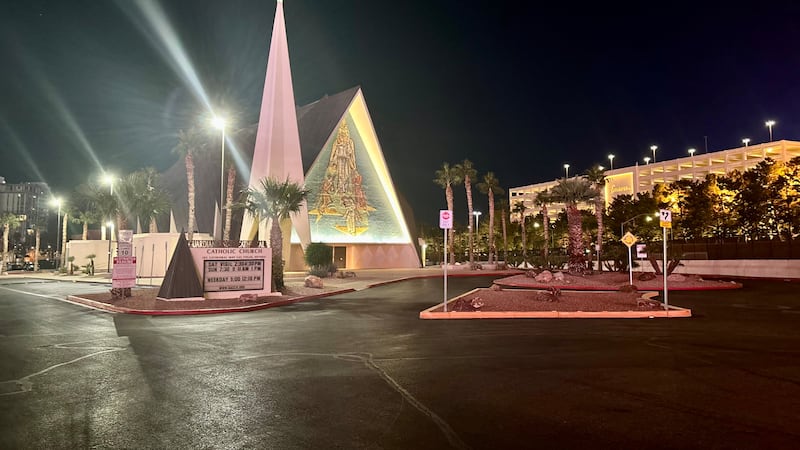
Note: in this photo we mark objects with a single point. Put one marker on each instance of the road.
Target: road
(360, 370)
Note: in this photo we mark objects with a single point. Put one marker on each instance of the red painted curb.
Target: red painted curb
(188, 312)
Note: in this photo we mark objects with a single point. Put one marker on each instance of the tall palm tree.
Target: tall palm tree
(571, 192)
(229, 193)
(83, 208)
(491, 187)
(597, 177)
(520, 208)
(503, 207)
(190, 143)
(446, 177)
(467, 173)
(9, 222)
(277, 201)
(147, 198)
(542, 199)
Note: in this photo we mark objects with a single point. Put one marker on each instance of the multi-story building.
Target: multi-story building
(634, 179)
(28, 200)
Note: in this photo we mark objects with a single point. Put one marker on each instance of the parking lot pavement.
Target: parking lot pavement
(360, 370)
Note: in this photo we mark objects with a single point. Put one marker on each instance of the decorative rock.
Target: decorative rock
(477, 303)
(544, 277)
(246, 298)
(496, 287)
(628, 288)
(313, 281)
(676, 277)
(558, 276)
(530, 273)
(647, 276)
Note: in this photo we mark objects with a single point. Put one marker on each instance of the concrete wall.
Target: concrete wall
(748, 268)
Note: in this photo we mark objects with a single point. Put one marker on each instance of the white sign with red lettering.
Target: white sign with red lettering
(445, 219)
(124, 272)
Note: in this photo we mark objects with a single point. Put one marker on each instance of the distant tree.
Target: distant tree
(466, 173)
(571, 192)
(491, 187)
(190, 143)
(542, 199)
(9, 221)
(520, 208)
(446, 177)
(597, 177)
(503, 207)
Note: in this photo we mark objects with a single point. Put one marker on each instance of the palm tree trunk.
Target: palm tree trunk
(491, 226)
(524, 244)
(505, 236)
(576, 263)
(471, 221)
(85, 235)
(189, 160)
(226, 234)
(276, 243)
(451, 248)
(546, 223)
(598, 212)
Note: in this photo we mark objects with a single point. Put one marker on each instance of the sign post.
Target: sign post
(123, 274)
(445, 223)
(629, 240)
(666, 222)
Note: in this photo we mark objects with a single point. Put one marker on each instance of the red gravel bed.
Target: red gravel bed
(611, 281)
(145, 299)
(535, 300)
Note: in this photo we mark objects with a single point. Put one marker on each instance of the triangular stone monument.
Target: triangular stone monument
(180, 281)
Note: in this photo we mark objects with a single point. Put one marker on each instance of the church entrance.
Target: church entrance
(340, 257)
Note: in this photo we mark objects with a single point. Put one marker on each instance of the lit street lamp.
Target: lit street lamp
(654, 148)
(691, 152)
(746, 141)
(56, 201)
(770, 124)
(647, 160)
(649, 217)
(566, 170)
(611, 160)
(109, 180)
(477, 215)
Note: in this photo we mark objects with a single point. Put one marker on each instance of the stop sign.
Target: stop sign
(445, 219)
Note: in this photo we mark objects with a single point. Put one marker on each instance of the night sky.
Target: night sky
(519, 90)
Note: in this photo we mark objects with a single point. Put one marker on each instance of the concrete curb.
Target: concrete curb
(672, 312)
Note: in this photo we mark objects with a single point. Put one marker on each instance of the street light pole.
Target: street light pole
(566, 170)
(647, 160)
(611, 159)
(769, 125)
(57, 202)
(219, 123)
(654, 148)
(746, 141)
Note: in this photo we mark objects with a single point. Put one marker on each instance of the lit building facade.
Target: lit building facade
(27, 200)
(635, 179)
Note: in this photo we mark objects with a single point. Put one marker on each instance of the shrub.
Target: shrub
(319, 258)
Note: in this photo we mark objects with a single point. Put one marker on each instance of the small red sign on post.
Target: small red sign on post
(445, 219)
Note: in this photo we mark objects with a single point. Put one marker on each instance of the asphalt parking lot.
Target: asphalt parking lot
(360, 370)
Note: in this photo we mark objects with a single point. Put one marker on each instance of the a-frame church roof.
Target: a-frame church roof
(317, 121)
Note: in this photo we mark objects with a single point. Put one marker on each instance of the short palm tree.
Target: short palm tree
(9, 221)
(571, 192)
(466, 173)
(446, 177)
(277, 201)
(597, 177)
(491, 187)
(542, 199)
(520, 208)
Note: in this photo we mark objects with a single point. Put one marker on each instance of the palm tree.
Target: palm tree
(147, 199)
(9, 222)
(491, 187)
(446, 177)
(597, 177)
(231, 185)
(190, 142)
(276, 201)
(83, 208)
(520, 208)
(503, 207)
(467, 173)
(542, 199)
(571, 192)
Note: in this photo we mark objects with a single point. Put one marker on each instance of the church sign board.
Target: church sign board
(231, 272)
